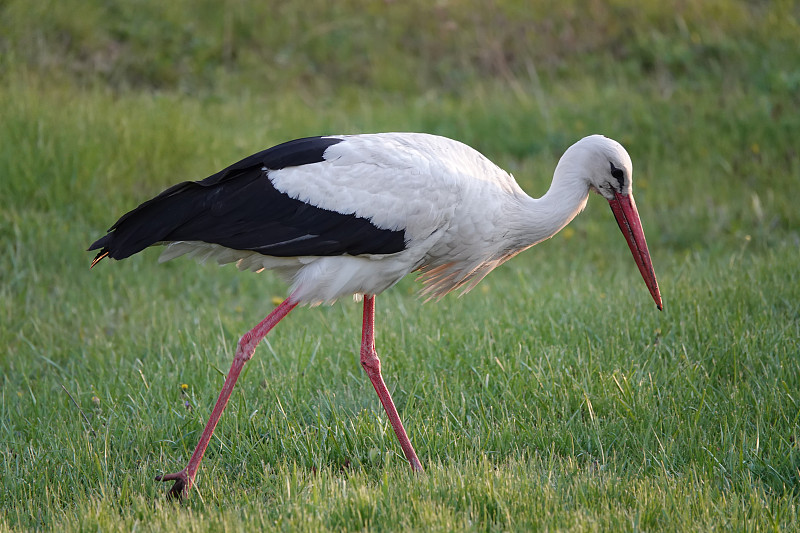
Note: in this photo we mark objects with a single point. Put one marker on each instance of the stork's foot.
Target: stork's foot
(180, 489)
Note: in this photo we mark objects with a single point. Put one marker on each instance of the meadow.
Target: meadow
(554, 396)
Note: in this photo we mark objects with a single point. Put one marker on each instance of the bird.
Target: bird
(351, 215)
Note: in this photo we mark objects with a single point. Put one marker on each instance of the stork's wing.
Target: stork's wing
(240, 208)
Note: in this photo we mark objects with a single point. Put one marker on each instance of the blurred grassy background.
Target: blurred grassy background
(552, 397)
(408, 48)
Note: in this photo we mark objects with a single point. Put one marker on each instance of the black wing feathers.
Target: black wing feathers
(239, 208)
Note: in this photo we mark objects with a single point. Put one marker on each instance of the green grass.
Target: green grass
(553, 397)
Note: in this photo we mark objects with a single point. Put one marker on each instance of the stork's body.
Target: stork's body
(346, 215)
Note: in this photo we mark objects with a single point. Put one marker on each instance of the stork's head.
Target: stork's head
(607, 167)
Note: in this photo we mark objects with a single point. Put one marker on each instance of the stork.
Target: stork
(353, 214)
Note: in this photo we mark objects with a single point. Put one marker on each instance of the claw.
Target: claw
(180, 489)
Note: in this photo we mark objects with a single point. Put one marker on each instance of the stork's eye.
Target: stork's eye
(617, 173)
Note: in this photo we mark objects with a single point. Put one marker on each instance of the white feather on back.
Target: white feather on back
(399, 181)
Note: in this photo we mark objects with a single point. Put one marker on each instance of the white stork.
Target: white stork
(353, 214)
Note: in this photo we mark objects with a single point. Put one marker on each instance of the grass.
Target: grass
(554, 396)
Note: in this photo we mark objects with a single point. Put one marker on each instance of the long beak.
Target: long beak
(627, 216)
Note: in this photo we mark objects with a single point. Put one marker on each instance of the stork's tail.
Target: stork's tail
(149, 223)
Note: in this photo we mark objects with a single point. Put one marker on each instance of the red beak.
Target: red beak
(627, 216)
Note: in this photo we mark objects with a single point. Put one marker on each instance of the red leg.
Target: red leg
(371, 363)
(247, 345)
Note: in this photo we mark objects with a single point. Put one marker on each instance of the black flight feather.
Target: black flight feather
(239, 208)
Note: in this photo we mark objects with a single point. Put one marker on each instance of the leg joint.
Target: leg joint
(370, 362)
(245, 348)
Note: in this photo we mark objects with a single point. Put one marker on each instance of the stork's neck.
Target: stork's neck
(544, 217)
